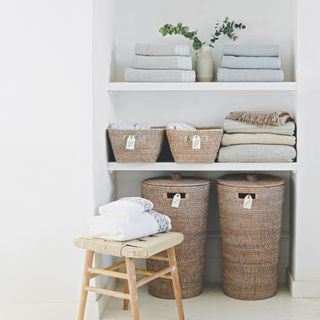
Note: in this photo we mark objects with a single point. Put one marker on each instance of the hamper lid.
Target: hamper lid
(250, 180)
(176, 180)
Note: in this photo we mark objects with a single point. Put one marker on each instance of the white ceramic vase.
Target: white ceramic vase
(204, 65)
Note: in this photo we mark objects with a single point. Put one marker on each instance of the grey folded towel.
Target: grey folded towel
(257, 153)
(231, 126)
(251, 51)
(161, 63)
(233, 62)
(249, 75)
(162, 50)
(138, 75)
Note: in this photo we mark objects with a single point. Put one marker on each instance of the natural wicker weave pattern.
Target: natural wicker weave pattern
(147, 146)
(250, 237)
(191, 220)
(181, 145)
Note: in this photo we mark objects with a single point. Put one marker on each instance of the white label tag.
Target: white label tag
(247, 202)
(131, 140)
(176, 200)
(196, 142)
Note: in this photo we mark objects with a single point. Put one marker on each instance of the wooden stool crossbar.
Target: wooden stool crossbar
(149, 248)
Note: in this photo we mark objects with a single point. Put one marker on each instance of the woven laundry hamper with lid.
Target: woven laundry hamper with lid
(250, 211)
(189, 218)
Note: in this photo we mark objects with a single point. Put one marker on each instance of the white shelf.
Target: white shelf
(288, 87)
(172, 166)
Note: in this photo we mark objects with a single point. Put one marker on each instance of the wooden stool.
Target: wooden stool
(143, 248)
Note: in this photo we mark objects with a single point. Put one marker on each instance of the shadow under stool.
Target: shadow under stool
(143, 248)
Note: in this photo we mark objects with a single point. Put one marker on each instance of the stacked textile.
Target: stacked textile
(250, 64)
(126, 219)
(161, 63)
(258, 137)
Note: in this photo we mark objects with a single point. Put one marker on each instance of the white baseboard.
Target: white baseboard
(303, 289)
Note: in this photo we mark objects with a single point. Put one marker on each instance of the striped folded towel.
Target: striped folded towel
(233, 62)
(161, 63)
(161, 50)
(249, 75)
(251, 51)
(138, 75)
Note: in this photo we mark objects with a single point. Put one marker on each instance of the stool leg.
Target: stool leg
(133, 292)
(175, 281)
(126, 290)
(85, 283)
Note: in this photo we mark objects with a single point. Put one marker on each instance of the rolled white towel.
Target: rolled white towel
(143, 225)
(161, 50)
(181, 126)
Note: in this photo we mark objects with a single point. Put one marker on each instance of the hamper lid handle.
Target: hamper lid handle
(176, 176)
(252, 177)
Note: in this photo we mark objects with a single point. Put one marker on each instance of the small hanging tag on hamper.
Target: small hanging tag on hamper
(196, 142)
(247, 202)
(131, 141)
(176, 200)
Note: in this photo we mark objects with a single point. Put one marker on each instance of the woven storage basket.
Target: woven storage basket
(181, 145)
(190, 219)
(250, 237)
(148, 144)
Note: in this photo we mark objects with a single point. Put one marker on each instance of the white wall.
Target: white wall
(46, 167)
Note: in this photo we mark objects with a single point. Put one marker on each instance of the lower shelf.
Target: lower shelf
(172, 166)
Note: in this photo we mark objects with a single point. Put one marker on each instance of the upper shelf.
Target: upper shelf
(269, 87)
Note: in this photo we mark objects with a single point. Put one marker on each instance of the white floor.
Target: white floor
(212, 304)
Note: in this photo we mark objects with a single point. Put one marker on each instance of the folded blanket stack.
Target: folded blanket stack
(250, 64)
(161, 63)
(258, 137)
(126, 219)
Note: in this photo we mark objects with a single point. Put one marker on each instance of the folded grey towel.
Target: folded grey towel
(231, 126)
(138, 75)
(257, 138)
(251, 51)
(232, 62)
(162, 50)
(249, 75)
(257, 153)
(161, 63)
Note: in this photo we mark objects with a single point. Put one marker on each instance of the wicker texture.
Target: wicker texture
(250, 237)
(191, 220)
(148, 144)
(181, 145)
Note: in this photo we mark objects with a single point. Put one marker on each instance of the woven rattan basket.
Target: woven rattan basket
(190, 218)
(250, 236)
(148, 144)
(182, 145)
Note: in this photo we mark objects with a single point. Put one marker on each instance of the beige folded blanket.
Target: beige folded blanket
(231, 126)
(278, 118)
(257, 153)
(257, 138)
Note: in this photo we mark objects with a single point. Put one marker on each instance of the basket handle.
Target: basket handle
(243, 195)
(170, 195)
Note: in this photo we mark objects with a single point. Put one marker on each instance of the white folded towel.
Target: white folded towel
(232, 62)
(139, 75)
(249, 75)
(125, 125)
(180, 126)
(143, 224)
(161, 50)
(231, 126)
(251, 51)
(161, 63)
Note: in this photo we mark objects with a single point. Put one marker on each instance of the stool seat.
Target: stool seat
(139, 248)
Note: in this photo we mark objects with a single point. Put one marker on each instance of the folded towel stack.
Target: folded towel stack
(126, 219)
(258, 137)
(161, 63)
(250, 64)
